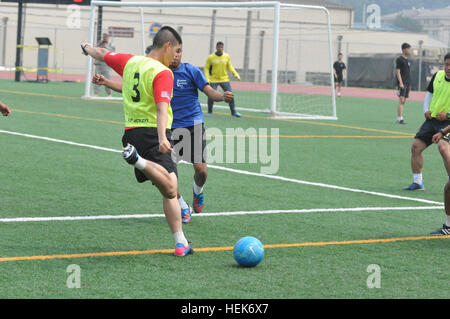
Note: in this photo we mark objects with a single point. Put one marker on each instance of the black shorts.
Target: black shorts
(429, 128)
(339, 79)
(190, 143)
(404, 92)
(145, 140)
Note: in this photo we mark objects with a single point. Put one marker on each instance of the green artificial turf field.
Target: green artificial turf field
(335, 203)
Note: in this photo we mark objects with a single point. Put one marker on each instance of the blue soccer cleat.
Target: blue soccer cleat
(198, 202)
(186, 215)
(414, 187)
(236, 114)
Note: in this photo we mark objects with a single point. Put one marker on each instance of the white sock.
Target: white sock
(180, 239)
(140, 164)
(417, 178)
(197, 189)
(399, 118)
(447, 222)
(182, 202)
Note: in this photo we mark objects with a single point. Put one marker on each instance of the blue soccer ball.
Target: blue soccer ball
(248, 251)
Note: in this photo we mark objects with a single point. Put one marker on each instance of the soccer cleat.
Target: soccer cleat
(130, 155)
(400, 122)
(182, 250)
(198, 202)
(444, 231)
(339, 94)
(236, 114)
(414, 187)
(209, 114)
(186, 215)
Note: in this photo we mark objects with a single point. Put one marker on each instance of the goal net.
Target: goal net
(283, 53)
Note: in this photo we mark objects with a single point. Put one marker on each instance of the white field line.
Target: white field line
(257, 212)
(61, 141)
(354, 190)
(281, 178)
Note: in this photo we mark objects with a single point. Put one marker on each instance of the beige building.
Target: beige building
(248, 37)
(436, 22)
(355, 42)
(67, 26)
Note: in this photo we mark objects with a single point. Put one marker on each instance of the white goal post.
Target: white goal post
(285, 82)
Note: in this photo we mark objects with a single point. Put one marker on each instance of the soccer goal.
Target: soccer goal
(282, 52)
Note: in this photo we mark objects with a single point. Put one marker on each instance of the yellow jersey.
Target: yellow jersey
(138, 96)
(216, 68)
(441, 95)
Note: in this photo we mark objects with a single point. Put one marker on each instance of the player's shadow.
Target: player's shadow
(237, 266)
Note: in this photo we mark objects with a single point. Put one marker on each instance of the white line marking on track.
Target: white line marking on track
(257, 212)
(281, 178)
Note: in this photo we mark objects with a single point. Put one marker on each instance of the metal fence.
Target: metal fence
(302, 58)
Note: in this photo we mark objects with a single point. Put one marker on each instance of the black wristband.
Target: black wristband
(442, 132)
(84, 49)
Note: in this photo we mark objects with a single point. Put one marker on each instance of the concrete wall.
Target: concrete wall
(54, 22)
(303, 36)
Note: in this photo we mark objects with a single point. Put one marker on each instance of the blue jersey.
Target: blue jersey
(186, 107)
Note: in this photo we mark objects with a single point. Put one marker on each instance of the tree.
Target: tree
(407, 23)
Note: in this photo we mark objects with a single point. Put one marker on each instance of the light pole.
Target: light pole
(213, 31)
(18, 63)
(261, 51)
(248, 31)
(5, 22)
(419, 86)
(339, 38)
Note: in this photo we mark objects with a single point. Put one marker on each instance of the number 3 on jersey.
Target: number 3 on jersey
(136, 98)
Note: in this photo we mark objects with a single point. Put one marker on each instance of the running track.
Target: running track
(262, 87)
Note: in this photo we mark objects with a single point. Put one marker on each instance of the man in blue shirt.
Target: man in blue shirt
(188, 131)
(188, 123)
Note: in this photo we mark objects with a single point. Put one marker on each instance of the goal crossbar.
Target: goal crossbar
(275, 5)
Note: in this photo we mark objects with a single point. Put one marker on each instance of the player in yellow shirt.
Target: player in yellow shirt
(436, 109)
(440, 104)
(216, 72)
(147, 91)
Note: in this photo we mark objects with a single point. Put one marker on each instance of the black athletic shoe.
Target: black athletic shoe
(444, 231)
(130, 154)
(401, 122)
(414, 187)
